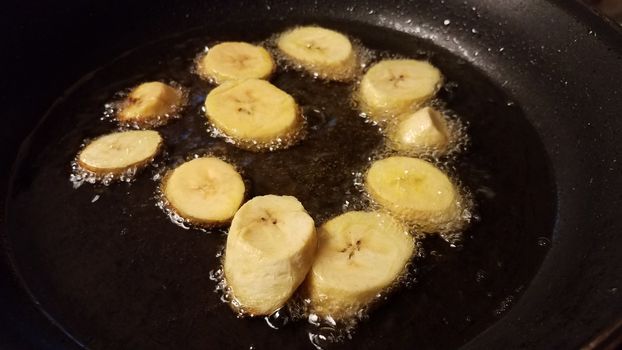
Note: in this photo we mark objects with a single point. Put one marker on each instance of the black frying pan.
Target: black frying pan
(550, 73)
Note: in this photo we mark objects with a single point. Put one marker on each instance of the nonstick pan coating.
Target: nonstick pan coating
(560, 64)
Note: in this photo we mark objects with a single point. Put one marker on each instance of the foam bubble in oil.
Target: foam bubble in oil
(79, 176)
(196, 62)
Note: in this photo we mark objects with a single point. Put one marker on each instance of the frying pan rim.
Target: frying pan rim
(571, 8)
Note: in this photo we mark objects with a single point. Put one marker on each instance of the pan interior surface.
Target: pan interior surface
(110, 267)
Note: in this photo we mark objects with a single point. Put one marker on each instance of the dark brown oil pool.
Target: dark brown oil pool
(110, 267)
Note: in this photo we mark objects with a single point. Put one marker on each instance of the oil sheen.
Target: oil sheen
(109, 266)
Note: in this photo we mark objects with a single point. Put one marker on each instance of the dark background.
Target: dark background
(46, 46)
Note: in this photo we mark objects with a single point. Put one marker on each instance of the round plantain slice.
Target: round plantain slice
(393, 87)
(116, 153)
(360, 254)
(205, 191)
(151, 104)
(324, 52)
(254, 113)
(416, 191)
(235, 61)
